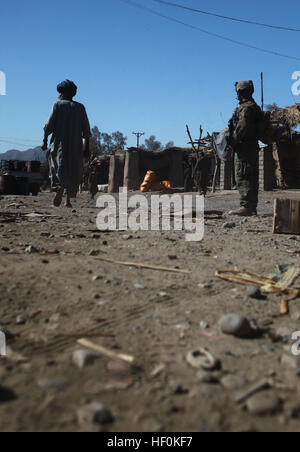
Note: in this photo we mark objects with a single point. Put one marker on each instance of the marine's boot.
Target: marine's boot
(243, 212)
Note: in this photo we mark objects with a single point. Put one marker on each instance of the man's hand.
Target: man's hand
(45, 144)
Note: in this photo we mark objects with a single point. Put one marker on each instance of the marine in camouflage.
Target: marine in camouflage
(244, 135)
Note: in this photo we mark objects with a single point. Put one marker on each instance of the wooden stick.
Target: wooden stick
(216, 174)
(137, 265)
(105, 352)
(201, 133)
(284, 307)
(237, 272)
(190, 137)
(261, 385)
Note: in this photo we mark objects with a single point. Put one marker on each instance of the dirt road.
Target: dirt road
(54, 291)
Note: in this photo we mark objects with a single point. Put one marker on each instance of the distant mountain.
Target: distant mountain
(36, 154)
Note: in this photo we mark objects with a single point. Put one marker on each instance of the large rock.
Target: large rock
(264, 404)
(82, 358)
(235, 325)
(6, 394)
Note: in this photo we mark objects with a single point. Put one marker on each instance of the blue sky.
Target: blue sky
(136, 71)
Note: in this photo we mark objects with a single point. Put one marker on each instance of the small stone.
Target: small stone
(264, 404)
(268, 348)
(229, 225)
(127, 237)
(293, 410)
(178, 389)
(31, 250)
(55, 383)
(205, 286)
(235, 325)
(233, 382)
(207, 377)
(284, 333)
(119, 367)
(139, 286)
(6, 394)
(204, 325)
(20, 320)
(54, 318)
(94, 413)
(97, 277)
(45, 234)
(94, 253)
(254, 292)
(82, 358)
(172, 257)
(204, 427)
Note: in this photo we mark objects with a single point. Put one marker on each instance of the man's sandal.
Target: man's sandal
(58, 197)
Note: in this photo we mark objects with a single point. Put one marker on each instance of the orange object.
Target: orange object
(167, 185)
(148, 181)
(164, 185)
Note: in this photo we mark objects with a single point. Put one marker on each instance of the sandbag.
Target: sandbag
(148, 181)
(164, 185)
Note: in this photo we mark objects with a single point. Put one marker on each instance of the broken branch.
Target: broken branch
(105, 352)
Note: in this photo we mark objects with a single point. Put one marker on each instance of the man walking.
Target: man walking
(68, 123)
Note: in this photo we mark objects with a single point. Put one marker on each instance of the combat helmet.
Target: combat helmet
(245, 88)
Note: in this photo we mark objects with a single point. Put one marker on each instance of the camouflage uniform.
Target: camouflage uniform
(244, 140)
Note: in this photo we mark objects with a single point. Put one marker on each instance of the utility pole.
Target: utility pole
(138, 136)
(262, 90)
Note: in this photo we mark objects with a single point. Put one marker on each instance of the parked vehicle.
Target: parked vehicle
(20, 178)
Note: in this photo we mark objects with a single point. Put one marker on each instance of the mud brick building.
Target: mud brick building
(279, 167)
(128, 169)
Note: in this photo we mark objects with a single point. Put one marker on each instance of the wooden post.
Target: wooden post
(218, 164)
(286, 216)
(262, 90)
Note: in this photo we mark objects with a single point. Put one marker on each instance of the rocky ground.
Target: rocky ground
(55, 290)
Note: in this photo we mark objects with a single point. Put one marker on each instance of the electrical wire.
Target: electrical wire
(17, 144)
(234, 19)
(215, 35)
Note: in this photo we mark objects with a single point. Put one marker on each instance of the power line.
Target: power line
(17, 144)
(23, 140)
(224, 38)
(234, 19)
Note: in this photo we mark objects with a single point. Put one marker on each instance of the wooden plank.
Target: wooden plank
(286, 216)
